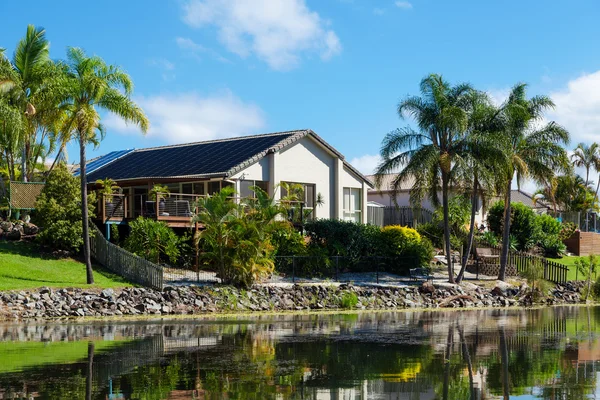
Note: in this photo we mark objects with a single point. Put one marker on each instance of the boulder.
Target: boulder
(30, 229)
(502, 289)
(14, 234)
(6, 226)
(427, 287)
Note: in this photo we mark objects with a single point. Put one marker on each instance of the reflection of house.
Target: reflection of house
(197, 169)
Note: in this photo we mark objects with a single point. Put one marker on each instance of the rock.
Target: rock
(30, 229)
(427, 288)
(6, 226)
(108, 294)
(501, 289)
(14, 234)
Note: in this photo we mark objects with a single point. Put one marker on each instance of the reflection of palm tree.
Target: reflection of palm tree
(88, 376)
(467, 357)
(504, 358)
(447, 361)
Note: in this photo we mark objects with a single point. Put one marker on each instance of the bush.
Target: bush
(58, 211)
(548, 225)
(432, 231)
(405, 247)
(552, 245)
(567, 230)
(349, 300)
(343, 238)
(596, 289)
(523, 227)
(153, 240)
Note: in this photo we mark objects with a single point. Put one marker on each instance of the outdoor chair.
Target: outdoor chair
(420, 273)
(182, 208)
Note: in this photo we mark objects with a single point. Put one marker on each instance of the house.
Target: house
(384, 196)
(332, 187)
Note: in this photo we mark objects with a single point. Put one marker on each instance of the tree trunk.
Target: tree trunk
(24, 164)
(505, 234)
(598, 185)
(89, 377)
(84, 211)
(465, 258)
(504, 358)
(447, 227)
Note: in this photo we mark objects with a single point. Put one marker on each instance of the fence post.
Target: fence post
(293, 269)
(377, 270)
(545, 268)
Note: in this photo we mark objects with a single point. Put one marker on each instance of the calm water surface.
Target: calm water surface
(493, 354)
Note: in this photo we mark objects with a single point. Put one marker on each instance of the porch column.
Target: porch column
(274, 180)
(364, 201)
(338, 199)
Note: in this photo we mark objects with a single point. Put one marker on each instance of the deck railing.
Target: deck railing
(123, 263)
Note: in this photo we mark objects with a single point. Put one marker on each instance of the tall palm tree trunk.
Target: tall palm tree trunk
(505, 234)
(504, 359)
(465, 258)
(467, 357)
(84, 211)
(447, 227)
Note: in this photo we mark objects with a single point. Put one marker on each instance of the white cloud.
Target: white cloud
(196, 50)
(378, 11)
(406, 5)
(182, 118)
(578, 107)
(366, 163)
(278, 32)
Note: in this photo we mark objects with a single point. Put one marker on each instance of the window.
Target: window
(192, 188)
(352, 204)
(302, 196)
(246, 185)
(216, 186)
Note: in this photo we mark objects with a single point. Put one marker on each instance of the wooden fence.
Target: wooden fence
(124, 263)
(406, 216)
(553, 271)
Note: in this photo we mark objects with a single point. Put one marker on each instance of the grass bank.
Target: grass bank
(24, 265)
(569, 261)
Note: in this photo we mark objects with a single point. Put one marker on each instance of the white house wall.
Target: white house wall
(308, 161)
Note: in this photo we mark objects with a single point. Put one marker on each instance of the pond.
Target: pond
(550, 353)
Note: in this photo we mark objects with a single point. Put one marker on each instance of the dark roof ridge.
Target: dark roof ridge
(229, 139)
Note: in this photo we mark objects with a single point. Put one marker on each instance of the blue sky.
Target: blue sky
(206, 69)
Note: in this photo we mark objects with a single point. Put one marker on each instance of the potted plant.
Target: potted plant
(107, 187)
(159, 190)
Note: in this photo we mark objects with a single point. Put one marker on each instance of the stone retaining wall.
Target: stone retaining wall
(68, 303)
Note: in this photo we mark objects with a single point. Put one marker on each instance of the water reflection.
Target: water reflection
(492, 354)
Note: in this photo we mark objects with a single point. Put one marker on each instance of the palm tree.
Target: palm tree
(30, 83)
(427, 155)
(587, 157)
(532, 152)
(482, 160)
(90, 84)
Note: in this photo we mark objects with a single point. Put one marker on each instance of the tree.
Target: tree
(568, 192)
(107, 186)
(91, 84)
(153, 240)
(480, 163)
(587, 157)
(426, 156)
(32, 83)
(532, 152)
(587, 266)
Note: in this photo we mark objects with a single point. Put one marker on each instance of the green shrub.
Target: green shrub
(548, 225)
(58, 211)
(523, 227)
(587, 267)
(343, 238)
(115, 236)
(349, 300)
(153, 240)
(596, 289)
(433, 231)
(567, 230)
(533, 272)
(404, 248)
(552, 245)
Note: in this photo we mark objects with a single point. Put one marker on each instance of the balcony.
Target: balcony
(176, 209)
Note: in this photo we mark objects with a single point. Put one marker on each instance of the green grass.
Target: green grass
(569, 261)
(25, 266)
(17, 356)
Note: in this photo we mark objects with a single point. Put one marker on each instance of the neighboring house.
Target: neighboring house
(197, 169)
(384, 195)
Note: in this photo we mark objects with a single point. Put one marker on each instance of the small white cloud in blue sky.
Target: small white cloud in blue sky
(407, 5)
(279, 33)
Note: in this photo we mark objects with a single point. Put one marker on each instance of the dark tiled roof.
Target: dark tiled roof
(204, 159)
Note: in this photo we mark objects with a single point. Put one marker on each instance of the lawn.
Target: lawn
(569, 261)
(24, 266)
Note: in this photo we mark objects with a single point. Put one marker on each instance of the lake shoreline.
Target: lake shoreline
(52, 304)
